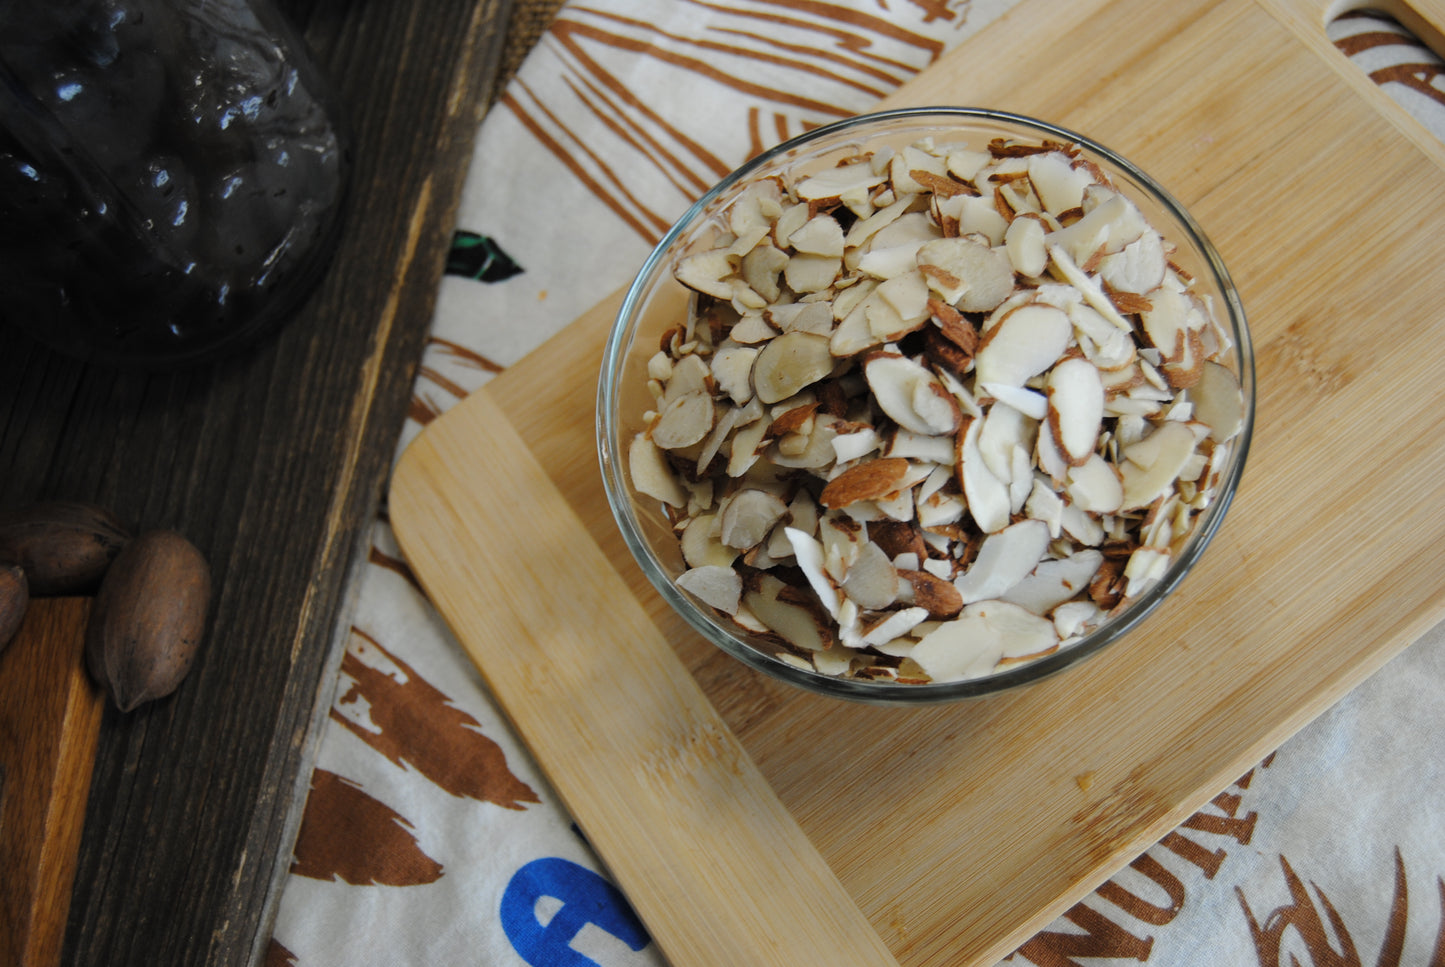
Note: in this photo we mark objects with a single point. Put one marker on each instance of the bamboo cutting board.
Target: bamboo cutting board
(958, 832)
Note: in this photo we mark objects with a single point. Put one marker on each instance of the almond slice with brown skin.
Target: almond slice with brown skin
(910, 394)
(1076, 407)
(966, 272)
(932, 593)
(864, 481)
(1026, 341)
(779, 608)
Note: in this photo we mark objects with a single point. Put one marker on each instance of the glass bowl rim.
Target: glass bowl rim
(618, 489)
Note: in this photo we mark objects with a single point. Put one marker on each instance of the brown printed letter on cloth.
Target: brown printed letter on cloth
(404, 717)
(349, 836)
(1314, 922)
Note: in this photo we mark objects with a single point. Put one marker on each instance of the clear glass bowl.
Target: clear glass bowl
(656, 301)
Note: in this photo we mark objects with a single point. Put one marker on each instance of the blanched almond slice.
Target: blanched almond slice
(701, 545)
(987, 632)
(1076, 408)
(1059, 185)
(835, 182)
(748, 516)
(732, 370)
(814, 317)
(820, 235)
(966, 272)
(1095, 486)
(865, 481)
(1004, 559)
(1075, 617)
(651, 474)
(988, 497)
(1151, 466)
(808, 551)
(910, 394)
(1024, 245)
(1005, 430)
(1139, 267)
(760, 270)
(774, 604)
(1032, 404)
(684, 421)
(1218, 401)
(1027, 341)
(872, 581)
(715, 585)
(811, 273)
(706, 272)
(789, 363)
(895, 625)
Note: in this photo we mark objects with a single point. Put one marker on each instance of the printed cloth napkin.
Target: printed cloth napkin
(429, 836)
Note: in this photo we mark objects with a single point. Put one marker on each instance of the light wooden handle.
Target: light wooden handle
(718, 870)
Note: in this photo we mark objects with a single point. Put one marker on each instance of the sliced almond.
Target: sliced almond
(819, 235)
(1151, 466)
(701, 545)
(748, 517)
(1076, 408)
(1218, 401)
(1095, 486)
(811, 273)
(786, 616)
(872, 580)
(1026, 341)
(833, 183)
(1004, 559)
(911, 395)
(966, 272)
(789, 363)
(865, 481)
(714, 585)
(651, 475)
(989, 503)
(684, 421)
(938, 597)
(707, 272)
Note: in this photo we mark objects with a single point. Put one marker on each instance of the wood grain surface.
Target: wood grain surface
(962, 830)
(720, 870)
(272, 463)
(49, 725)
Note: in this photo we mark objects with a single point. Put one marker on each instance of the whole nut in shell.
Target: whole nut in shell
(14, 599)
(64, 546)
(148, 619)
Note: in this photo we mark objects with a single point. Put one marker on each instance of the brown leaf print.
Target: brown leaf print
(1331, 945)
(278, 956)
(347, 835)
(404, 717)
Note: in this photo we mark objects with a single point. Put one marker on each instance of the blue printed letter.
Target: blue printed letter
(585, 898)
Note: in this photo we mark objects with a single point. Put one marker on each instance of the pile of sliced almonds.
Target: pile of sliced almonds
(935, 411)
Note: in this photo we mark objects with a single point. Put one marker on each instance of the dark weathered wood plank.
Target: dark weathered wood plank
(273, 464)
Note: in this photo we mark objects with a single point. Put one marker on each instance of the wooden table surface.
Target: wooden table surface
(273, 463)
